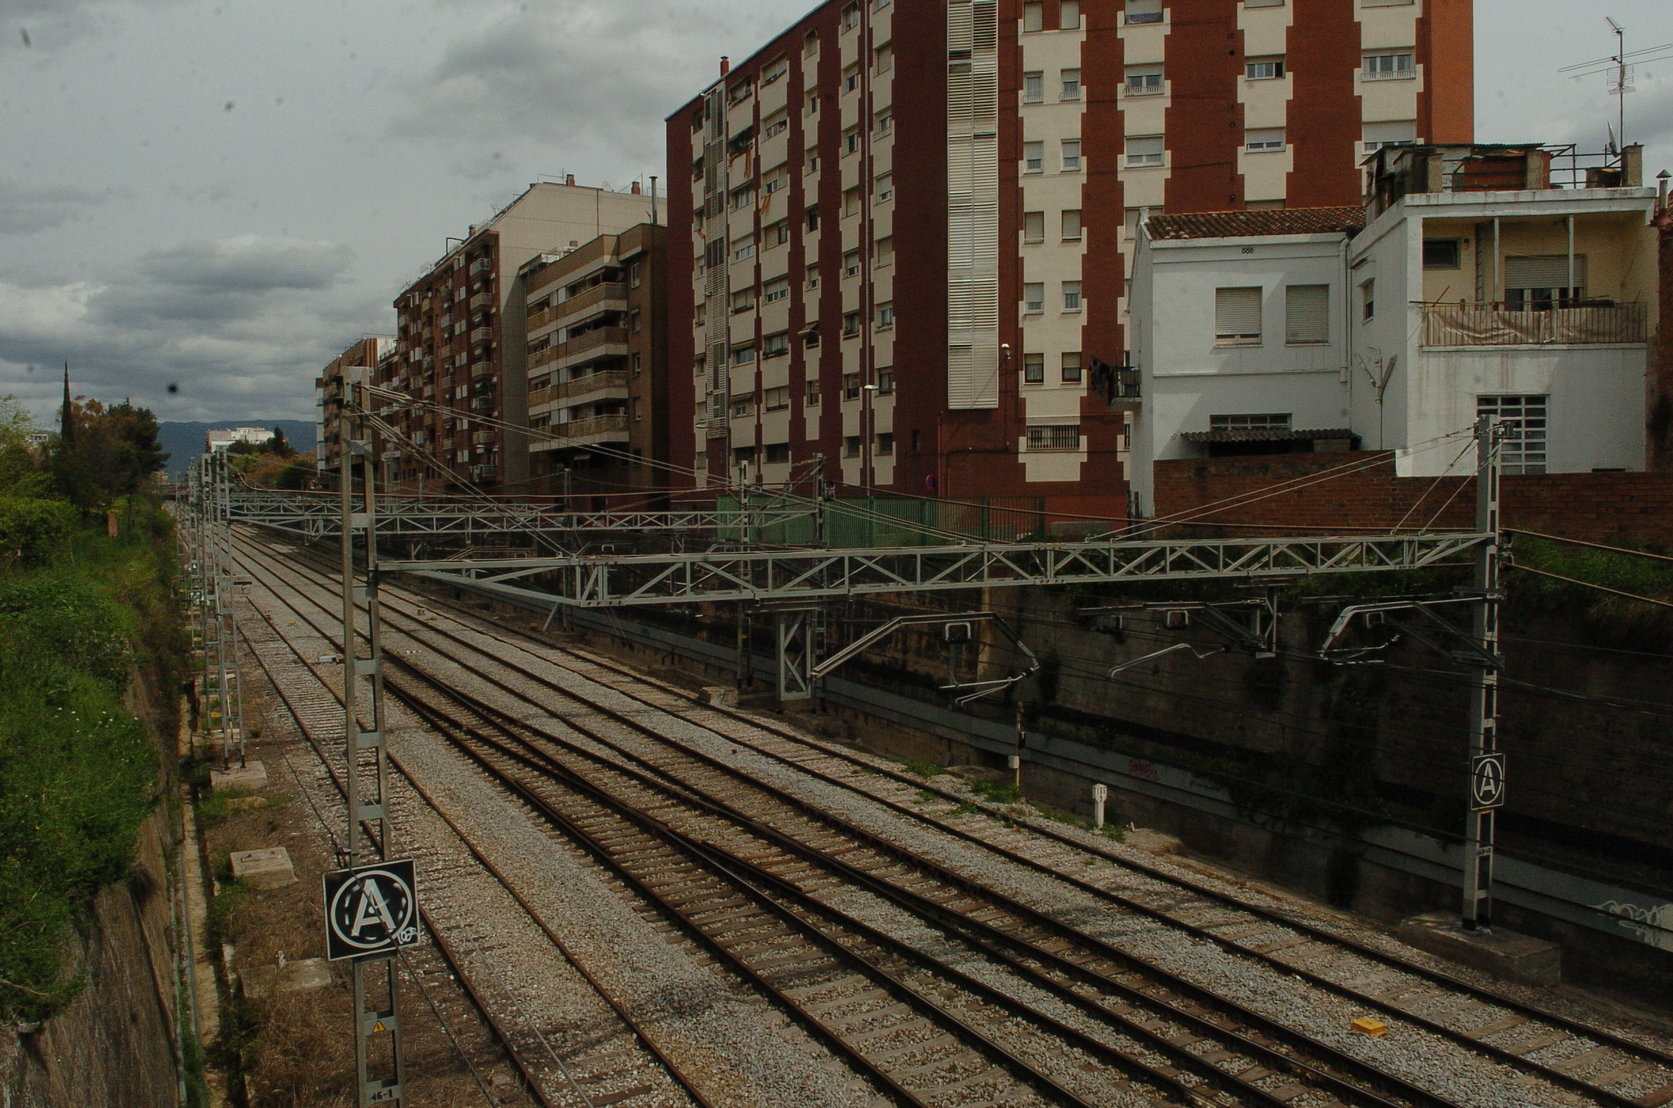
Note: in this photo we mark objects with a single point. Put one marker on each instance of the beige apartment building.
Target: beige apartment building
(462, 340)
(597, 362)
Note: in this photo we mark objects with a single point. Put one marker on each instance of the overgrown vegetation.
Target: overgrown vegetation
(1614, 620)
(79, 610)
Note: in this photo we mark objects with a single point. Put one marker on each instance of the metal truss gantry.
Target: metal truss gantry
(215, 587)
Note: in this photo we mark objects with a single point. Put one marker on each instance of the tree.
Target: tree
(280, 445)
(107, 454)
(20, 466)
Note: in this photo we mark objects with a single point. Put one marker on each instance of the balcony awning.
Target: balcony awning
(1268, 434)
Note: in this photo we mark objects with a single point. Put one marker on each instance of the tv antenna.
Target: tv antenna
(1619, 67)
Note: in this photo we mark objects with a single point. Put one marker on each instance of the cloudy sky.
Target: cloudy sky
(221, 195)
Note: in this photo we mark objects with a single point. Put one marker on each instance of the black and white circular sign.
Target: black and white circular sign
(1487, 781)
(370, 909)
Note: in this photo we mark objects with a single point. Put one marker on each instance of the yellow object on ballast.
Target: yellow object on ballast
(1365, 1025)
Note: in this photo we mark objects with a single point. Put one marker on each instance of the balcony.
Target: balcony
(1579, 324)
(597, 343)
(1117, 384)
(481, 301)
(610, 296)
(481, 335)
(594, 386)
(480, 266)
(586, 432)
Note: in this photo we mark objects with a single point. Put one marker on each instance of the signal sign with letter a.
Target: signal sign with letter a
(370, 909)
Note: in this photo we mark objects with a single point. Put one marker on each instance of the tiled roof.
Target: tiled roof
(1278, 221)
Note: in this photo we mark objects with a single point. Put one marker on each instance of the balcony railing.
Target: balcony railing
(611, 293)
(593, 342)
(598, 428)
(1578, 324)
(609, 381)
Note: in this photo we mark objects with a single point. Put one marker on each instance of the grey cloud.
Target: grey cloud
(30, 209)
(243, 324)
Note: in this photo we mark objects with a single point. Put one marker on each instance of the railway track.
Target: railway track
(784, 841)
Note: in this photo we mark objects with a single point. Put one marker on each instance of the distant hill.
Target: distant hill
(184, 441)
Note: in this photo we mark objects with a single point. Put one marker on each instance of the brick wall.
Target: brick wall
(1633, 508)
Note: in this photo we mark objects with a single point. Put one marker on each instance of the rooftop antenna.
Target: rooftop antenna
(1622, 84)
(1619, 67)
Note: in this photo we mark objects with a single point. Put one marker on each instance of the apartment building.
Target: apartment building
(908, 224)
(1514, 281)
(597, 365)
(462, 355)
(357, 364)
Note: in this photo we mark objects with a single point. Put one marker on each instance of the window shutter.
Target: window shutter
(1543, 271)
(1307, 313)
(1237, 313)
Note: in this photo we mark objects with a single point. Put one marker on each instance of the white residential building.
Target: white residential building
(1517, 281)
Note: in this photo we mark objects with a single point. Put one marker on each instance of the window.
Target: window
(810, 394)
(885, 316)
(743, 355)
(1441, 253)
(773, 346)
(1260, 140)
(1071, 225)
(883, 58)
(743, 196)
(1367, 299)
(1263, 69)
(885, 443)
(1071, 85)
(743, 300)
(1144, 11)
(776, 399)
(1071, 155)
(851, 323)
(777, 234)
(1033, 369)
(1306, 314)
(885, 186)
(699, 366)
(851, 446)
(743, 248)
(1065, 436)
(851, 141)
(775, 71)
(1374, 136)
(850, 386)
(1071, 366)
(777, 125)
(851, 264)
(851, 201)
(778, 452)
(1523, 448)
(775, 182)
(1034, 297)
(1540, 282)
(1144, 80)
(1033, 16)
(1144, 150)
(777, 289)
(1033, 157)
(1033, 88)
(810, 43)
(1033, 226)
(1237, 317)
(812, 103)
(850, 17)
(743, 406)
(633, 320)
(1068, 15)
(638, 364)
(851, 78)
(813, 276)
(813, 219)
(1264, 421)
(886, 381)
(635, 274)
(885, 121)
(1071, 296)
(1263, 3)
(883, 251)
(1388, 67)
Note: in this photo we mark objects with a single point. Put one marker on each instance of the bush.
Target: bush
(77, 772)
(33, 532)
